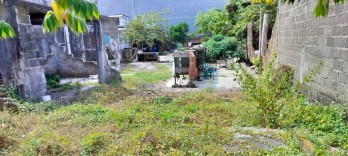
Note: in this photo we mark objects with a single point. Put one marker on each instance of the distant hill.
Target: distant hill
(179, 10)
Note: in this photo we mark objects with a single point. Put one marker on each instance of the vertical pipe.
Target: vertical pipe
(133, 9)
(67, 39)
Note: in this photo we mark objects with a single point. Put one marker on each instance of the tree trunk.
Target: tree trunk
(264, 41)
(260, 29)
(250, 48)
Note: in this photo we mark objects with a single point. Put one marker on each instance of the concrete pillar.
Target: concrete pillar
(101, 54)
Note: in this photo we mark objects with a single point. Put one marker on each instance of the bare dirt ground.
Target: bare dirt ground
(224, 82)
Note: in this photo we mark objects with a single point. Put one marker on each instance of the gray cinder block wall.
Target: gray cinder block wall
(304, 41)
(21, 64)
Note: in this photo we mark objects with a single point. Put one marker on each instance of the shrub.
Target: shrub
(238, 54)
(274, 93)
(53, 81)
(219, 46)
(180, 47)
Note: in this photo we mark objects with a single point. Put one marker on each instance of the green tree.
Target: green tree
(71, 12)
(178, 33)
(213, 22)
(220, 46)
(146, 29)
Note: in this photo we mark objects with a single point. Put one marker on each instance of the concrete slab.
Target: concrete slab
(223, 79)
(250, 139)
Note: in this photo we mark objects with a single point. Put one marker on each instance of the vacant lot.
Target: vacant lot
(129, 118)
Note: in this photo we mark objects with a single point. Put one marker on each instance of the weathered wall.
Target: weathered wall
(65, 65)
(5, 53)
(304, 41)
(33, 82)
(52, 47)
(86, 47)
(112, 52)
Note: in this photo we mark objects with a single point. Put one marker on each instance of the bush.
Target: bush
(219, 46)
(180, 47)
(53, 81)
(280, 104)
(271, 91)
(238, 54)
(218, 37)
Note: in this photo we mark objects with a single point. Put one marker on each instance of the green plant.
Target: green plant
(256, 61)
(213, 22)
(53, 81)
(94, 143)
(6, 30)
(238, 54)
(180, 47)
(46, 143)
(74, 13)
(219, 46)
(178, 33)
(271, 91)
(147, 29)
(322, 7)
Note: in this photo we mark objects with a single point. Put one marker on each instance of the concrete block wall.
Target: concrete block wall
(5, 52)
(84, 45)
(32, 79)
(304, 41)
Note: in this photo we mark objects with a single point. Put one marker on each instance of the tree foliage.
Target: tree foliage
(6, 30)
(71, 12)
(251, 13)
(178, 33)
(213, 22)
(322, 7)
(220, 46)
(146, 29)
(74, 13)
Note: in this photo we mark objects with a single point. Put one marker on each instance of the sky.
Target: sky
(179, 10)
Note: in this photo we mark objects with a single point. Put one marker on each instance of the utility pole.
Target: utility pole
(133, 10)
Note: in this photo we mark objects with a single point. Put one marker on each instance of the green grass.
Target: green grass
(137, 79)
(113, 119)
(195, 123)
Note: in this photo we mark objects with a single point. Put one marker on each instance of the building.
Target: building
(26, 58)
(122, 21)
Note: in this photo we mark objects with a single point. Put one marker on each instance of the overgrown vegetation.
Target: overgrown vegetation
(113, 120)
(278, 103)
(53, 82)
(220, 46)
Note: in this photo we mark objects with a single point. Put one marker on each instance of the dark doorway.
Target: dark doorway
(36, 18)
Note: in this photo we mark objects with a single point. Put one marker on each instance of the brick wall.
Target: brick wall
(304, 41)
